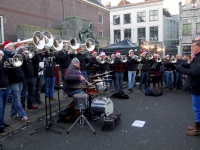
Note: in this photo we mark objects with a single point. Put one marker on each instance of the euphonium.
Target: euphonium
(100, 60)
(109, 60)
(173, 60)
(15, 61)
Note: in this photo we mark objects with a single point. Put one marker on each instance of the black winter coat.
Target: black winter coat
(4, 83)
(146, 64)
(50, 62)
(64, 59)
(133, 64)
(193, 70)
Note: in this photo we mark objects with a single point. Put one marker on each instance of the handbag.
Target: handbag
(188, 84)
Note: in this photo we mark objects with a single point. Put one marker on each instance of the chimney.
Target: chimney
(108, 4)
(167, 9)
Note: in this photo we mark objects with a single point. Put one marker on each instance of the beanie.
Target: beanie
(117, 52)
(1, 52)
(102, 53)
(74, 60)
(79, 50)
(130, 51)
(93, 52)
(6, 44)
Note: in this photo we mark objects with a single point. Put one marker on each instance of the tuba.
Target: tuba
(173, 60)
(37, 39)
(109, 60)
(57, 43)
(90, 44)
(123, 58)
(49, 41)
(138, 58)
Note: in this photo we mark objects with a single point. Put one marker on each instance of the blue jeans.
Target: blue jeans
(144, 79)
(85, 74)
(30, 85)
(49, 86)
(196, 106)
(119, 81)
(4, 94)
(131, 79)
(72, 93)
(38, 86)
(179, 80)
(16, 106)
(169, 79)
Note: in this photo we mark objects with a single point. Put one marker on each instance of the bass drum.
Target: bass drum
(102, 105)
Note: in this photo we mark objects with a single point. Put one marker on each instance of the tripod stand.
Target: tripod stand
(50, 121)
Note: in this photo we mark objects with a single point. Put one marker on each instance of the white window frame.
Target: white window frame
(2, 31)
(101, 18)
(153, 15)
(101, 32)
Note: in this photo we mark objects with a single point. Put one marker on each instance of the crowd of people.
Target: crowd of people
(76, 68)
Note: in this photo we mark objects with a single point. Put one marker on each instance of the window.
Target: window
(153, 15)
(198, 25)
(141, 33)
(1, 30)
(116, 19)
(127, 34)
(187, 26)
(153, 33)
(127, 18)
(117, 36)
(141, 16)
(100, 34)
(100, 19)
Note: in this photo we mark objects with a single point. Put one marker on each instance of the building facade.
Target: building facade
(189, 25)
(143, 20)
(49, 14)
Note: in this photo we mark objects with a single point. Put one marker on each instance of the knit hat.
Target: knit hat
(75, 60)
(130, 51)
(117, 53)
(155, 56)
(93, 52)
(19, 46)
(6, 44)
(1, 52)
(102, 53)
(79, 50)
(166, 56)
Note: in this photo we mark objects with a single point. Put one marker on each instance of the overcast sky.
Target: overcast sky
(171, 4)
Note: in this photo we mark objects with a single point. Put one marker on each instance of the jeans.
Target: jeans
(4, 94)
(38, 86)
(16, 106)
(131, 79)
(119, 81)
(85, 74)
(72, 93)
(169, 79)
(30, 84)
(49, 86)
(196, 106)
(144, 79)
(179, 80)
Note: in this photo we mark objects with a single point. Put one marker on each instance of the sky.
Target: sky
(171, 4)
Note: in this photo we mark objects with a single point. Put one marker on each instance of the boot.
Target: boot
(196, 130)
(1, 130)
(190, 128)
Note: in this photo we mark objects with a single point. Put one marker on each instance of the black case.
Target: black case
(111, 121)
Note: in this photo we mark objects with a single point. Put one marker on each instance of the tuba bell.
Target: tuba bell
(100, 60)
(173, 60)
(48, 38)
(37, 39)
(159, 59)
(109, 60)
(123, 58)
(90, 44)
(57, 43)
(15, 61)
(138, 58)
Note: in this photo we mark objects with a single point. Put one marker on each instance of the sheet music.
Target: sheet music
(41, 68)
(138, 123)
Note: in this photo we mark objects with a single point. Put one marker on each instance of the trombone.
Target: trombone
(123, 58)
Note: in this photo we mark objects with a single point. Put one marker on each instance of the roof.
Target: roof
(166, 13)
(96, 2)
(123, 2)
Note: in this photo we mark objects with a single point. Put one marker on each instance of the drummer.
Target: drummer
(74, 78)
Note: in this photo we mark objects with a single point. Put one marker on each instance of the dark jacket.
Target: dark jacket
(193, 70)
(168, 66)
(133, 64)
(83, 61)
(146, 64)
(104, 67)
(15, 74)
(155, 66)
(4, 83)
(64, 59)
(72, 77)
(119, 66)
(36, 59)
(49, 65)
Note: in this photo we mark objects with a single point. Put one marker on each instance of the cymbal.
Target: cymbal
(108, 72)
(107, 76)
(107, 79)
(96, 75)
(80, 87)
(97, 80)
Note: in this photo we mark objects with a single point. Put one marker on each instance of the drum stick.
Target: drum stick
(86, 80)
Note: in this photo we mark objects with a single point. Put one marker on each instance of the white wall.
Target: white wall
(133, 9)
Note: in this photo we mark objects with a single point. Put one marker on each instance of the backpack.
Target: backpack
(154, 91)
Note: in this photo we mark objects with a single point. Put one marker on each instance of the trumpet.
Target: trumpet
(109, 60)
(123, 58)
(100, 60)
(173, 60)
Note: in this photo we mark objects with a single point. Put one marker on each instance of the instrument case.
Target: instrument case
(111, 121)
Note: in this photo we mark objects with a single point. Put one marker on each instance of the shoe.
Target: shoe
(191, 128)
(6, 125)
(40, 102)
(1, 130)
(16, 117)
(35, 103)
(33, 107)
(53, 99)
(25, 119)
(196, 130)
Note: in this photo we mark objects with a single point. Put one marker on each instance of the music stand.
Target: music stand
(81, 118)
(139, 67)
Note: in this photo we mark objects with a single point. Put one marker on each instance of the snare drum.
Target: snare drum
(81, 101)
(92, 91)
(102, 105)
